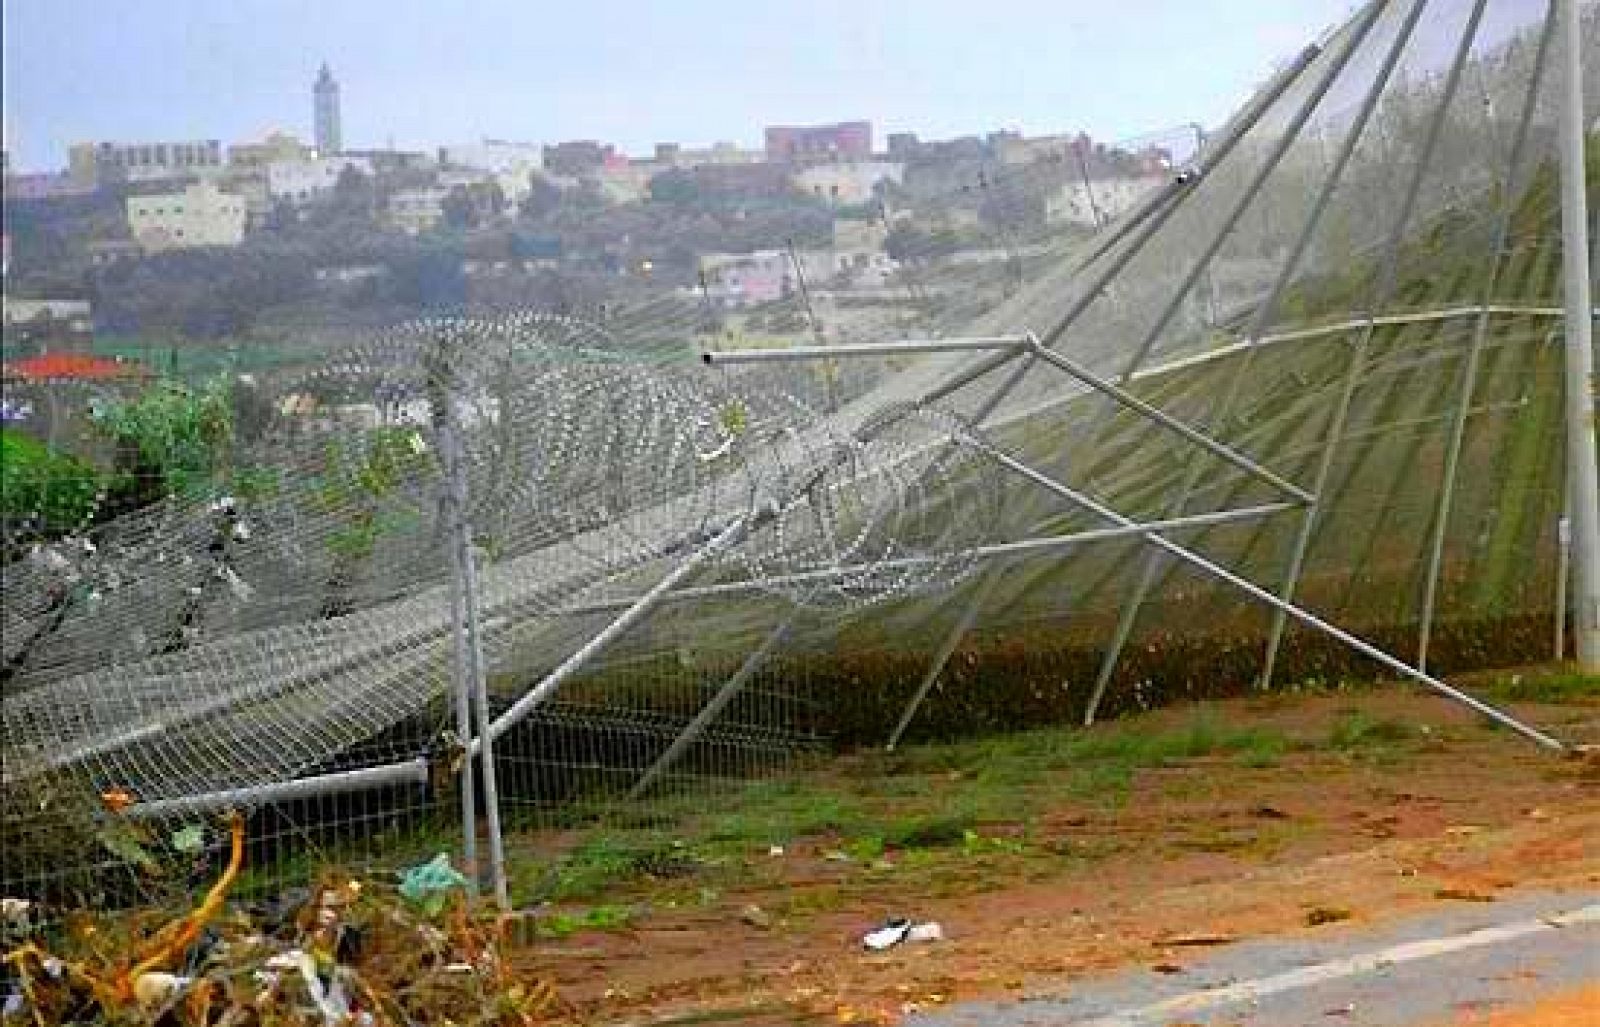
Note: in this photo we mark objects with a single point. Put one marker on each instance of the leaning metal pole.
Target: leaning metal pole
(1358, 355)
(1260, 322)
(947, 648)
(1258, 181)
(726, 694)
(986, 584)
(1583, 489)
(1480, 336)
(640, 608)
(1263, 595)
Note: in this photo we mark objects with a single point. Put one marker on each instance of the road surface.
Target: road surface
(1451, 965)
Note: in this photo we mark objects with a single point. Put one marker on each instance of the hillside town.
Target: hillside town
(200, 239)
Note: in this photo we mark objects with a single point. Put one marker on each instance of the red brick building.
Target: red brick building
(819, 142)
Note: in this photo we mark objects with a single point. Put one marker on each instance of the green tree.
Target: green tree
(675, 186)
(543, 199)
(169, 440)
(355, 195)
(458, 209)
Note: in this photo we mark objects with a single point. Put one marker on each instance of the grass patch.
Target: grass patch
(930, 832)
(1264, 750)
(597, 918)
(1355, 730)
(604, 862)
(1558, 687)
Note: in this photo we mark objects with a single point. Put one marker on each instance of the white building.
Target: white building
(200, 215)
(493, 155)
(626, 183)
(417, 210)
(74, 315)
(302, 180)
(847, 182)
(516, 182)
(1100, 200)
(739, 279)
(671, 155)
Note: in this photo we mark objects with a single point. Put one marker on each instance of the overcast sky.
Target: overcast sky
(632, 72)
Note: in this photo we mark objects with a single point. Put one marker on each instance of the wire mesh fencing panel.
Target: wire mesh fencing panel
(1301, 365)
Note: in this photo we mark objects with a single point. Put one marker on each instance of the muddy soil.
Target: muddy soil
(1200, 852)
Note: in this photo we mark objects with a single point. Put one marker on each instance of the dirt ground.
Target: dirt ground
(1199, 853)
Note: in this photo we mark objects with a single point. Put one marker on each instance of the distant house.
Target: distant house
(417, 210)
(44, 186)
(626, 183)
(302, 180)
(494, 156)
(276, 148)
(847, 139)
(740, 279)
(80, 368)
(388, 162)
(50, 395)
(847, 182)
(200, 215)
(671, 155)
(95, 164)
(42, 324)
(579, 156)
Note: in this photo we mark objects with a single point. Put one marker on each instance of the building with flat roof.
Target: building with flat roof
(276, 147)
(847, 181)
(200, 215)
(99, 163)
(819, 142)
(417, 210)
(493, 155)
(299, 181)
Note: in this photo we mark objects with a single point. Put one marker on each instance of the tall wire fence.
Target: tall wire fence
(1319, 348)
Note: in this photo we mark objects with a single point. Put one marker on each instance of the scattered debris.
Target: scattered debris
(898, 929)
(1463, 894)
(1268, 813)
(1196, 940)
(1319, 915)
(892, 933)
(16, 913)
(755, 916)
(430, 885)
(346, 952)
(1168, 968)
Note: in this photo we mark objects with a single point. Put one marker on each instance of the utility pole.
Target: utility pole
(1583, 491)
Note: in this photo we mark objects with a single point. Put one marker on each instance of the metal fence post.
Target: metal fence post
(1480, 335)
(467, 603)
(1358, 356)
(1583, 479)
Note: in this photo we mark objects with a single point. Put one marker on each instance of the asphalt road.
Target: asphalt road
(1423, 970)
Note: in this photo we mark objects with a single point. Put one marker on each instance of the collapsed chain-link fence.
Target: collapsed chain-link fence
(1318, 349)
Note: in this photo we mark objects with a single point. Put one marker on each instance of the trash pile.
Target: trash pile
(345, 951)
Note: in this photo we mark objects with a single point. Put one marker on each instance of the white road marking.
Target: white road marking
(1350, 966)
